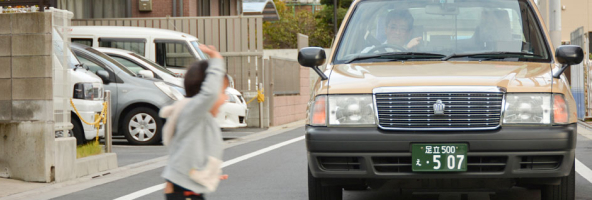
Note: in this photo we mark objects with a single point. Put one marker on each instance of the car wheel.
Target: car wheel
(78, 131)
(564, 191)
(142, 126)
(318, 191)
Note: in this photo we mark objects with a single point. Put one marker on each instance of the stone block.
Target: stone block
(31, 66)
(5, 45)
(5, 89)
(30, 23)
(32, 110)
(65, 159)
(4, 67)
(31, 45)
(5, 21)
(32, 89)
(95, 164)
(5, 111)
(28, 150)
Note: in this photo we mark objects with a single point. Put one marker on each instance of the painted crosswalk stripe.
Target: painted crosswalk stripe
(583, 171)
(160, 187)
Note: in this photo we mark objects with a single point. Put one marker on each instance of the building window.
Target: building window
(224, 7)
(89, 9)
(131, 44)
(204, 8)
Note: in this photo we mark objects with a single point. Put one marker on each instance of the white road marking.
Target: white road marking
(583, 170)
(158, 187)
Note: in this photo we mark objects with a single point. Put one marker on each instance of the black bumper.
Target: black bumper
(509, 152)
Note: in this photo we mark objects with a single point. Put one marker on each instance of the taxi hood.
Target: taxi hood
(514, 76)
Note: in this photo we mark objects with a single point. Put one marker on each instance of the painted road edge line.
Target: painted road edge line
(158, 187)
(583, 170)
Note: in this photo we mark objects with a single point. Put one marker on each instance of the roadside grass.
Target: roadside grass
(92, 148)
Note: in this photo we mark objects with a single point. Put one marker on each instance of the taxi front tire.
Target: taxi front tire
(318, 191)
(564, 191)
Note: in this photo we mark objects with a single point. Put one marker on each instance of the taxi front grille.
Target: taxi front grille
(417, 111)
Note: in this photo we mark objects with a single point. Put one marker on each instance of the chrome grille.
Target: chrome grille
(463, 110)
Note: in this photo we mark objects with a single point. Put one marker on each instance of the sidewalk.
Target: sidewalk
(12, 187)
(585, 129)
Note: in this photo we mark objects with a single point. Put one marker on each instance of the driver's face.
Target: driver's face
(398, 32)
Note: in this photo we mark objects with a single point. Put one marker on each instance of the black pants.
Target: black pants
(179, 194)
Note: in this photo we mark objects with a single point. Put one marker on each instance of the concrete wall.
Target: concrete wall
(575, 15)
(291, 108)
(26, 93)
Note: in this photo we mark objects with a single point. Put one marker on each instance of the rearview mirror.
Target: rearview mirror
(441, 9)
(146, 73)
(104, 75)
(568, 55)
(313, 57)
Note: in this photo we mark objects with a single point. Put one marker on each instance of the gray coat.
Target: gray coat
(196, 136)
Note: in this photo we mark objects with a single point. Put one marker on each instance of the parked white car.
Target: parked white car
(232, 114)
(86, 91)
(170, 49)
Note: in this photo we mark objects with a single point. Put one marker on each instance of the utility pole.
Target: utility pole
(335, 17)
(555, 22)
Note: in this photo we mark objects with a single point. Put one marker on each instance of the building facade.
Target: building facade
(92, 9)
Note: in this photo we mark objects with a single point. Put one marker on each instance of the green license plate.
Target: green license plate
(439, 157)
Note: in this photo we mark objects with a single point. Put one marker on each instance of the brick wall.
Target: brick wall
(162, 8)
(292, 108)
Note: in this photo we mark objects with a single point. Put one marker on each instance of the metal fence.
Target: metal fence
(61, 21)
(580, 78)
(228, 34)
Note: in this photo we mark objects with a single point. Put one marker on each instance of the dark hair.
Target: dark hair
(403, 14)
(195, 76)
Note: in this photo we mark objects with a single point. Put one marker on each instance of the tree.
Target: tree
(282, 33)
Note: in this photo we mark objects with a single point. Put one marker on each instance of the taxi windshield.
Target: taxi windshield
(381, 31)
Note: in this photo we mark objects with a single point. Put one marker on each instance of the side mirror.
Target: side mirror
(313, 57)
(568, 55)
(104, 75)
(146, 73)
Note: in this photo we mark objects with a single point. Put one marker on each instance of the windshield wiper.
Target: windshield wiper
(397, 56)
(488, 54)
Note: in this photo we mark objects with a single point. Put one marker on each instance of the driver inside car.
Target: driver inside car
(399, 24)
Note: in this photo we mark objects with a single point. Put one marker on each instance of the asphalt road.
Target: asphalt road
(281, 174)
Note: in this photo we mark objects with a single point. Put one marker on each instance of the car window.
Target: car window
(129, 64)
(87, 42)
(153, 64)
(111, 60)
(195, 45)
(93, 66)
(471, 26)
(173, 53)
(131, 44)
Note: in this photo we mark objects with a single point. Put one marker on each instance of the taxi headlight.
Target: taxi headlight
(528, 109)
(351, 110)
